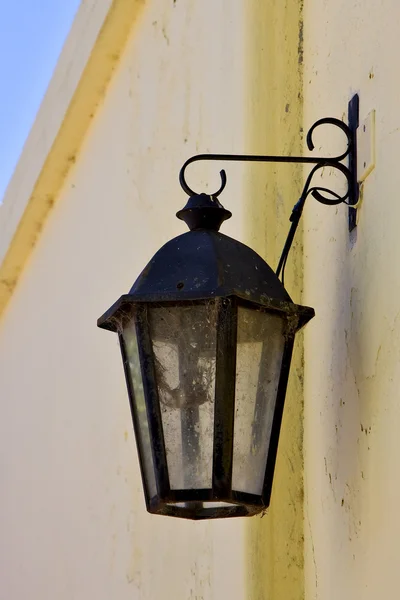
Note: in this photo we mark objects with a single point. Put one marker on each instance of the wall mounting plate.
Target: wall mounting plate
(353, 120)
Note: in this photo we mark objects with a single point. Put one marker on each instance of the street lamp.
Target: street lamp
(206, 336)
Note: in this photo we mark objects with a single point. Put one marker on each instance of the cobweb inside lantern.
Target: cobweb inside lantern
(260, 346)
(184, 345)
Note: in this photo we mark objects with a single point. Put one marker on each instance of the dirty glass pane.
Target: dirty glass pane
(132, 352)
(260, 347)
(184, 345)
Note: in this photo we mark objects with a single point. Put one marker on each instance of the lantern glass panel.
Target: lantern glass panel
(260, 345)
(184, 346)
(139, 405)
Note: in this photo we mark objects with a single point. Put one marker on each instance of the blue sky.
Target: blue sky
(32, 34)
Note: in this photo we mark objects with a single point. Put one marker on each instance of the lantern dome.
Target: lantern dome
(204, 263)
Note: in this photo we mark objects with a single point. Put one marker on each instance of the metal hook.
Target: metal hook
(317, 195)
(338, 123)
(185, 186)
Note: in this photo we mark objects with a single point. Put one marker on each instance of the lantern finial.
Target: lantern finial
(203, 212)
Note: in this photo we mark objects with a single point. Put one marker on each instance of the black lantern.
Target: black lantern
(206, 335)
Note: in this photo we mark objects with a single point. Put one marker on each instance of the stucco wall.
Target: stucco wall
(274, 109)
(352, 374)
(73, 520)
(72, 516)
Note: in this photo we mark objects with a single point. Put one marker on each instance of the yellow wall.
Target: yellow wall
(274, 112)
(352, 351)
(73, 519)
(221, 76)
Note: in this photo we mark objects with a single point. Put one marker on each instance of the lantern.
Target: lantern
(206, 336)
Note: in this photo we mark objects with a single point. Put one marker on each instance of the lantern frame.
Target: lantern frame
(238, 503)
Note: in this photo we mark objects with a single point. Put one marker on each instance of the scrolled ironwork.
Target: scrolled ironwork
(320, 193)
(319, 161)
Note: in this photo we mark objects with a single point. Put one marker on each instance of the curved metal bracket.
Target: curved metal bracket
(320, 162)
(322, 194)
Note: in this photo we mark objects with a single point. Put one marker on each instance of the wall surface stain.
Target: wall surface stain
(274, 98)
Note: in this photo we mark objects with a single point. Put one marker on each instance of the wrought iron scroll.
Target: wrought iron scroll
(322, 194)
